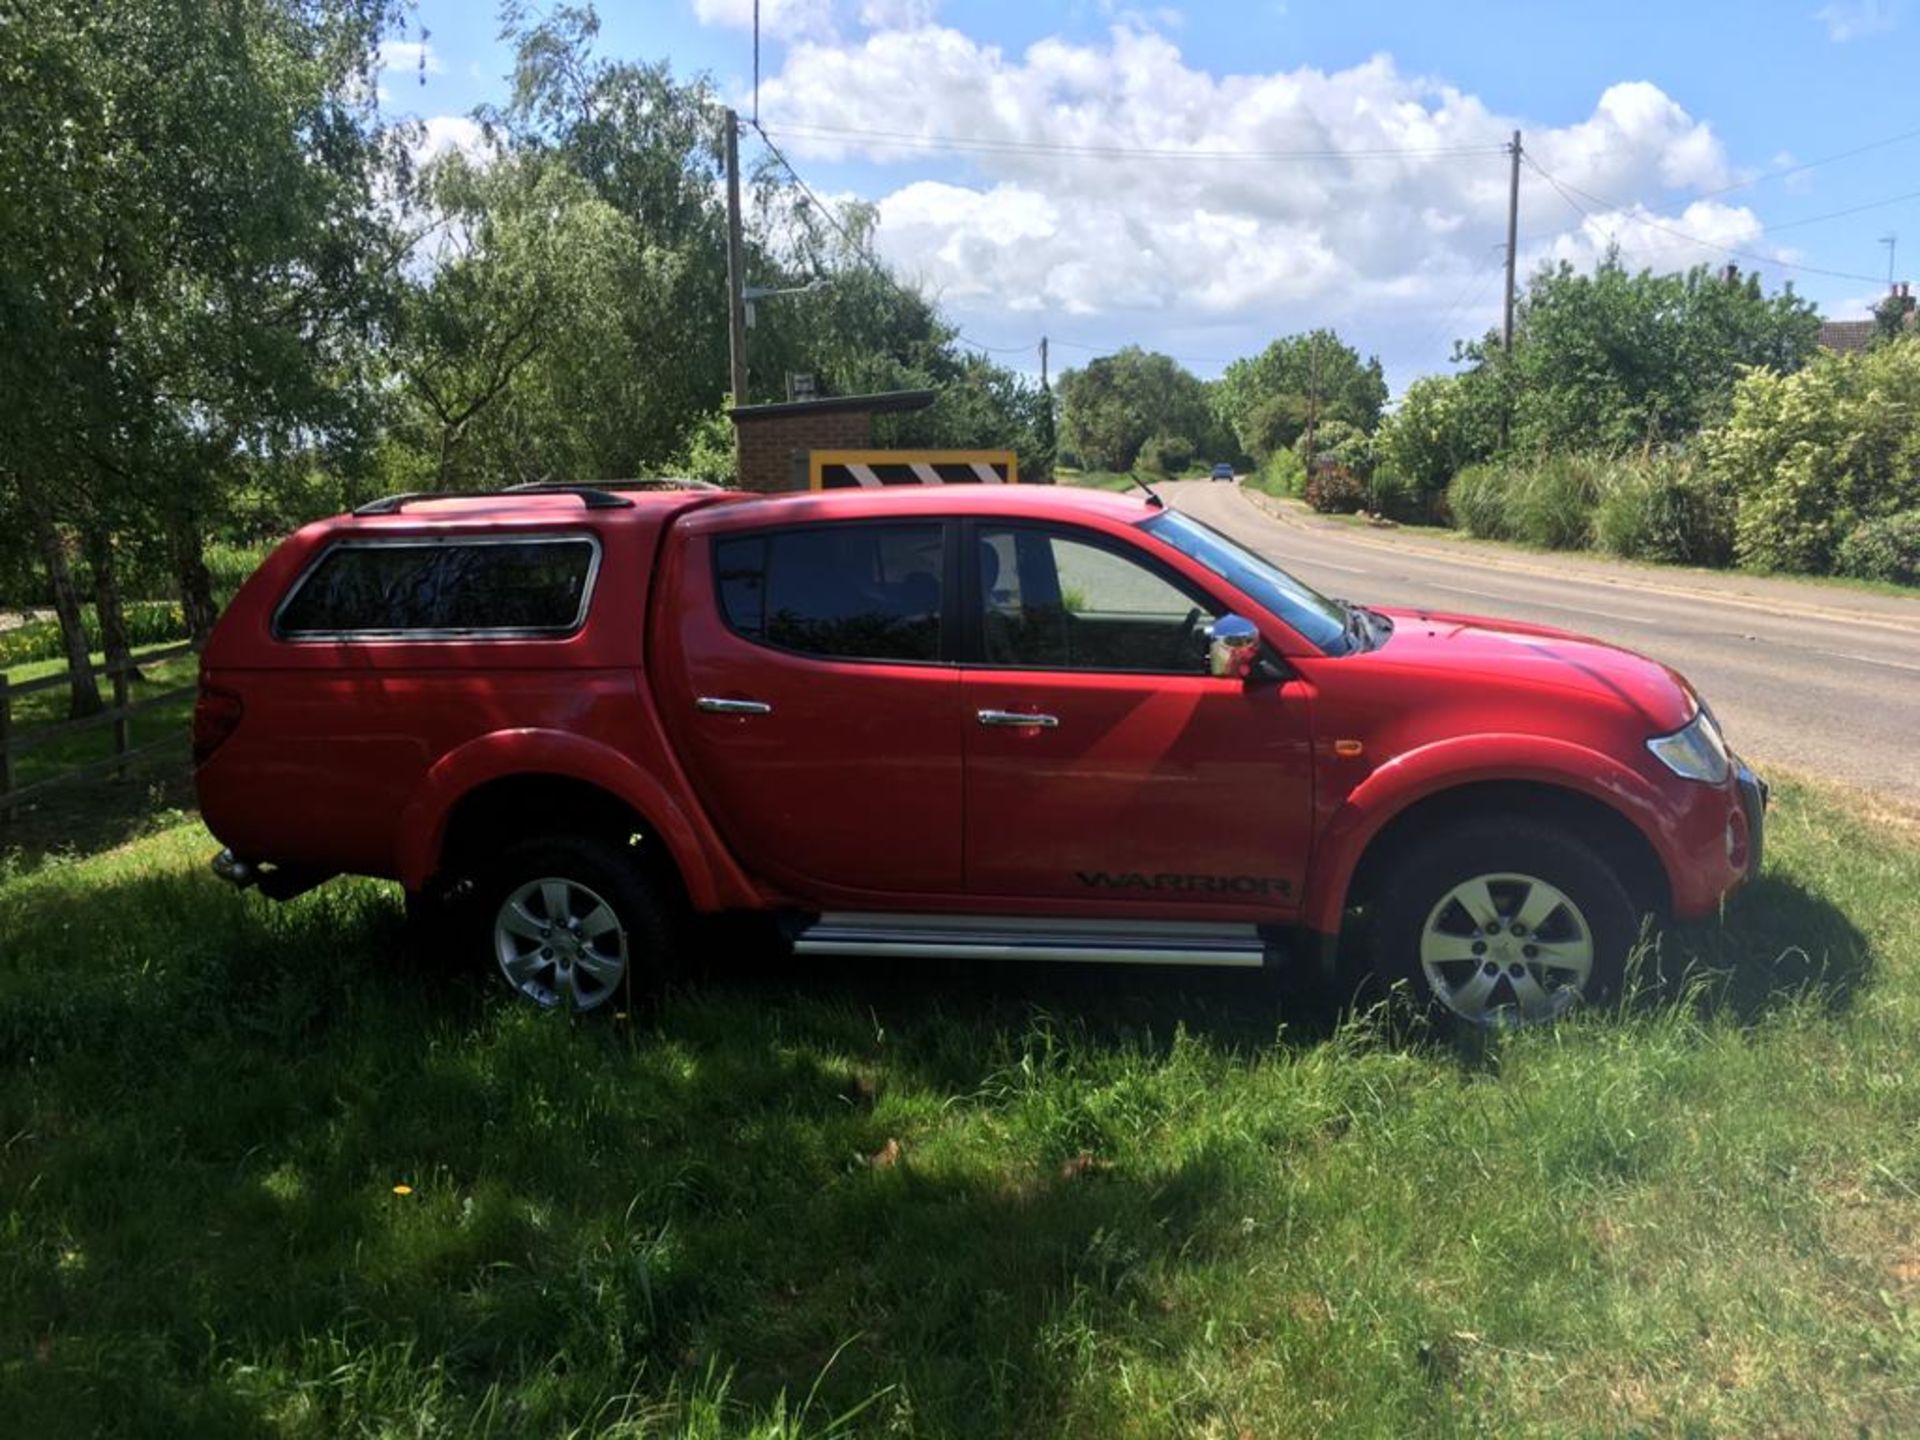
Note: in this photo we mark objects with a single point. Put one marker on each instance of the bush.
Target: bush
(1667, 508)
(1813, 455)
(1478, 499)
(230, 565)
(1555, 498)
(1547, 501)
(1336, 490)
(149, 622)
(1391, 494)
(1166, 455)
(1884, 549)
(708, 452)
(1283, 474)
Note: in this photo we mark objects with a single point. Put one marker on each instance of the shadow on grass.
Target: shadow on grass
(210, 1101)
(1776, 943)
(96, 813)
(209, 1117)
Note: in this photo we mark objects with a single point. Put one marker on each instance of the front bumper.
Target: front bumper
(1754, 796)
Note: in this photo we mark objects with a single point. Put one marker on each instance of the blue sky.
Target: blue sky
(1659, 127)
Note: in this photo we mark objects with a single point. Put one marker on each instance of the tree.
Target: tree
(1443, 424)
(1270, 398)
(188, 260)
(511, 343)
(1113, 406)
(1614, 360)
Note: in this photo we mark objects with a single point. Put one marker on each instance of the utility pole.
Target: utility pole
(1890, 240)
(736, 269)
(1513, 248)
(1051, 440)
(1313, 397)
(1513, 236)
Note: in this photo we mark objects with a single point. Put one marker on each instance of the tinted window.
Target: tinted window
(1053, 602)
(856, 592)
(443, 587)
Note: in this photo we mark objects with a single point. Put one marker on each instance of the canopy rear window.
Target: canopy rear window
(489, 586)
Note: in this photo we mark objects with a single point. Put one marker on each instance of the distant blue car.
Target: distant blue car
(1223, 471)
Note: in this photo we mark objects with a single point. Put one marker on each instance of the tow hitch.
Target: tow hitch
(276, 882)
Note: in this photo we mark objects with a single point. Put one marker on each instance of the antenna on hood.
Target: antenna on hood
(1152, 499)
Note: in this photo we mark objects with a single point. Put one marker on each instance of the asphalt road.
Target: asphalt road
(1817, 678)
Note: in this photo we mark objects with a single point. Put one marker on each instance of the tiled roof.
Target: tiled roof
(1846, 336)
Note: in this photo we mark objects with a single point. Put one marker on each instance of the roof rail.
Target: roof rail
(590, 496)
(661, 482)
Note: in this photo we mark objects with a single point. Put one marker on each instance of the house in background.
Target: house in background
(1851, 337)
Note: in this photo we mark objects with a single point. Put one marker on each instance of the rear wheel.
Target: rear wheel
(1504, 921)
(569, 922)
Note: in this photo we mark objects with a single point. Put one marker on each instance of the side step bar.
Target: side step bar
(973, 937)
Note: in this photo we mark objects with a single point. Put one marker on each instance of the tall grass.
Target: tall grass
(1548, 501)
(1122, 1203)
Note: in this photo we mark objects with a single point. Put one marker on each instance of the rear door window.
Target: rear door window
(427, 589)
(845, 592)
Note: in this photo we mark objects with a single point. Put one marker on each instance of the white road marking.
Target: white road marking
(1547, 604)
(1870, 660)
(1329, 565)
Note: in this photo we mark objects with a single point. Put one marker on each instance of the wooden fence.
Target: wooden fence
(119, 715)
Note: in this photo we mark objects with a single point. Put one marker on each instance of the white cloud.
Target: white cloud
(411, 56)
(897, 14)
(1850, 19)
(1391, 233)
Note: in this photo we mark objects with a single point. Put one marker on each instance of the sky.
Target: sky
(1200, 178)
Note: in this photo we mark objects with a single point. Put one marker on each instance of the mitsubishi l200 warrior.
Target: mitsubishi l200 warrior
(987, 720)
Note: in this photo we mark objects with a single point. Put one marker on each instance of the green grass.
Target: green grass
(1096, 479)
(92, 812)
(1124, 1204)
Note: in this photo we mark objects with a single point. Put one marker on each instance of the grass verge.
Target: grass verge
(844, 1198)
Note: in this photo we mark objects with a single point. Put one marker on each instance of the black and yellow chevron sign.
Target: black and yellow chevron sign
(870, 469)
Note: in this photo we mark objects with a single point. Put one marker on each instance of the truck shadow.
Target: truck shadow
(1777, 943)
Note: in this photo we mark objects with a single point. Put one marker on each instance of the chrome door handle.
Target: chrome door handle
(714, 705)
(1019, 717)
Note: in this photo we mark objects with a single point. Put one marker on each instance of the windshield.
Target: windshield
(1317, 618)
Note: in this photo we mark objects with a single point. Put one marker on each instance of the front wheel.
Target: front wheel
(1503, 922)
(569, 922)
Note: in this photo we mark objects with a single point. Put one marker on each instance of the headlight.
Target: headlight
(1696, 751)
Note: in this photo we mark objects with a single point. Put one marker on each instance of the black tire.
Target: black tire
(1523, 861)
(573, 969)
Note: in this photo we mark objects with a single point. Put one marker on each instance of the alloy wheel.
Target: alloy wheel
(1507, 949)
(560, 943)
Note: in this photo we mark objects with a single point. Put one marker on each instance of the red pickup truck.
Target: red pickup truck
(989, 720)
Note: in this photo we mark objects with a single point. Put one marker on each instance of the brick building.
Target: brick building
(772, 442)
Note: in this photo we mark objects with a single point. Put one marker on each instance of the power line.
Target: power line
(1797, 168)
(858, 245)
(995, 349)
(1733, 250)
(1558, 189)
(1477, 284)
(989, 146)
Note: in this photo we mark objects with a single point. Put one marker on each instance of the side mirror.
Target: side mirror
(1233, 645)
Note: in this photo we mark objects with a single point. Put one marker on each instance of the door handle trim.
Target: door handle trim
(717, 705)
(1019, 718)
